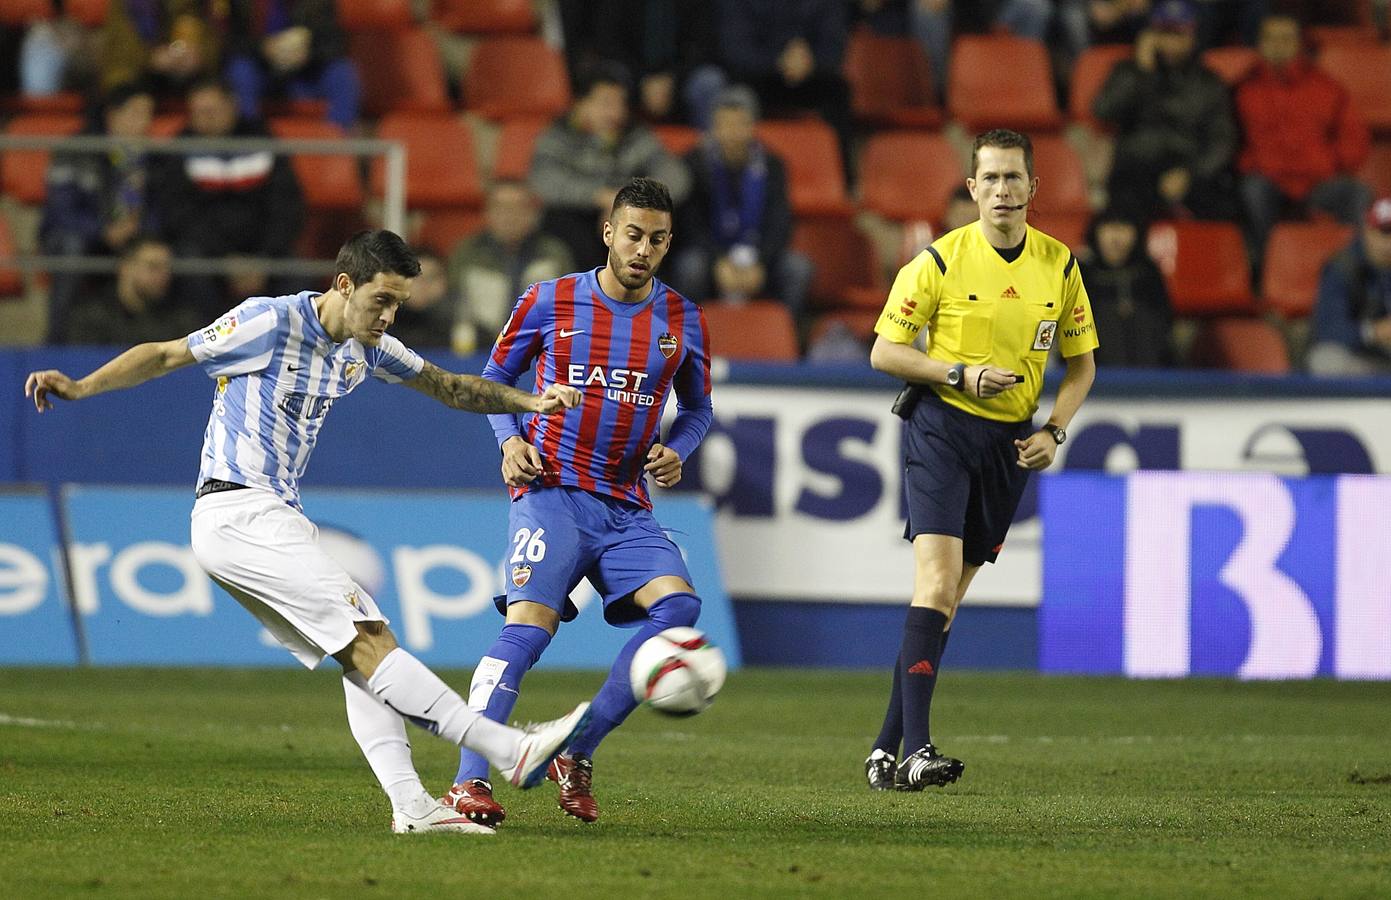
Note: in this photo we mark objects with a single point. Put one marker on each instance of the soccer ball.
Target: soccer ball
(677, 672)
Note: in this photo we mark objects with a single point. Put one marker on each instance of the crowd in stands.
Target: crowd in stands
(1221, 168)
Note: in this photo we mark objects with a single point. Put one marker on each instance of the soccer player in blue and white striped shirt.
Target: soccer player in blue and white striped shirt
(280, 364)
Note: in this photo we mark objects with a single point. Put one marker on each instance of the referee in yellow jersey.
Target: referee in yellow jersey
(993, 298)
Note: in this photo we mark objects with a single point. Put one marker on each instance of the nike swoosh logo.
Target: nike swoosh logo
(294, 368)
(566, 334)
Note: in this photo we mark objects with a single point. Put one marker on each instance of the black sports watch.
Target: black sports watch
(1059, 434)
(956, 376)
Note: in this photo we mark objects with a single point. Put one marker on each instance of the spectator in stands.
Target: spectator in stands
(1087, 23)
(55, 56)
(670, 45)
(791, 52)
(1352, 317)
(95, 203)
(136, 306)
(427, 319)
(1302, 139)
(293, 49)
(491, 269)
(228, 203)
(1175, 133)
(737, 223)
(582, 159)
(1129, 300)
(170, 43)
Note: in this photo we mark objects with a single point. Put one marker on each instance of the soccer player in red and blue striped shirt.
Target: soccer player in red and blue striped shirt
(578, 480)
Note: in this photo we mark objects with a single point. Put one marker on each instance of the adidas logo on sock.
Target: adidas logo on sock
(921, 667)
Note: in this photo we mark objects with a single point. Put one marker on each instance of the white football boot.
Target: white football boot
(541, 743)
(435, 817)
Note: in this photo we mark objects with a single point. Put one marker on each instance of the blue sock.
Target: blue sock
(615, 699)
(497, 682)
(919, 657)
(891, 732)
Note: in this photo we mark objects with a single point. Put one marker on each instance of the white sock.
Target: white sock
(407, 686)
(382, 736)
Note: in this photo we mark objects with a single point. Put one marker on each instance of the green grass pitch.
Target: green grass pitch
(196, 783)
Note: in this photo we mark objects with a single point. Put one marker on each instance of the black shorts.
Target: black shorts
(961, 476)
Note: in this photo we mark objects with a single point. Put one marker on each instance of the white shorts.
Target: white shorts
(266, 554)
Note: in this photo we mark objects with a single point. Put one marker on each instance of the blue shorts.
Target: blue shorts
(962, 477)
(559, 535)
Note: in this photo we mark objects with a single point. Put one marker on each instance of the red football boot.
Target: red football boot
(575, 775)
(473, 799)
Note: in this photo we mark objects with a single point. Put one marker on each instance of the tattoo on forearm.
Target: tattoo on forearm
(470, 392)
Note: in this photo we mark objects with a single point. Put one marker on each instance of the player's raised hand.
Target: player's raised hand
(45, 385)
(988, 381)
(558, 397)
(1037, 452)
(663, 465)
(521, 462)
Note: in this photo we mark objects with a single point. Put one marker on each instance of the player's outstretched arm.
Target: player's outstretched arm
(475, 394)
(136, 366)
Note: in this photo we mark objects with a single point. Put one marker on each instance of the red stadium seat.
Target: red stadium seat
(1068, 227)
(375, 16)
(42, 104)
(11, 284)
(844, 260)
(999, 80)
(91, 13)
(1366, 72)
(907, 175)
(758, 330)
(1294, 259)
(401, 71)
(1231, 64)
(1061, 178)
(677, 139)
(1240, 344)
(441, 169)
(486, 16)
(515, 144)
(328, 182)
(516, 76)
(1089, 73)
(1204, 266)
(443, 229)
(890, 81)
(22, 171)
(25, 12)
(815, 177)
(1376, 171)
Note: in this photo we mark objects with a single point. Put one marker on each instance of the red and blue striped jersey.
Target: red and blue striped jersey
(626, 358)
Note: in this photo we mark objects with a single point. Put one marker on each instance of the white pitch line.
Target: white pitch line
(26, 722)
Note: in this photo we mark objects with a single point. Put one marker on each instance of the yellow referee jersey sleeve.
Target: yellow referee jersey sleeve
(980, 309)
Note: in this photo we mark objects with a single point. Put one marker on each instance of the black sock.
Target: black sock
(892, 730)
(917, 662)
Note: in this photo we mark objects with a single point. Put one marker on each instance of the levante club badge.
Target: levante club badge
(667, 344)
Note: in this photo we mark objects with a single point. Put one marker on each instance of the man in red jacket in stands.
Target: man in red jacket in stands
(1301, 138)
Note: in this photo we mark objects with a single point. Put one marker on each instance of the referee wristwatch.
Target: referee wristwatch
(956, 377)
(1059, 435)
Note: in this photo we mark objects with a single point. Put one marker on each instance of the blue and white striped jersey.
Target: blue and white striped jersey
(278, 373)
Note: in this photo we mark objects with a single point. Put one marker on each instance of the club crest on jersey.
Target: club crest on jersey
(667, 343)
(353, 372)
(521, 575)
(355, 601)
(1043, 337)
